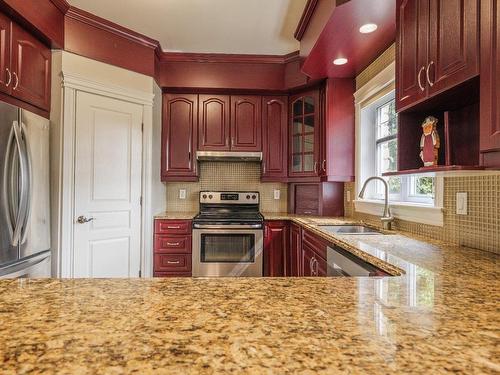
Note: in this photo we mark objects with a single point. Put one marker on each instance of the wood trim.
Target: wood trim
(304, 19)
(19, 103)
(62, 5)
(228, 58)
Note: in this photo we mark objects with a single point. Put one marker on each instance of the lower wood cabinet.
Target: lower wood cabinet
(313, 255)
(275, 246)
(172, 248)
(293, 254)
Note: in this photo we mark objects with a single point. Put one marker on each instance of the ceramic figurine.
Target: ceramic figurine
(429, 143)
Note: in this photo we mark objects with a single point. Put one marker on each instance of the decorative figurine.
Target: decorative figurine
(429, 143)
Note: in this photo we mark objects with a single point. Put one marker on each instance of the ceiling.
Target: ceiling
(207, 26)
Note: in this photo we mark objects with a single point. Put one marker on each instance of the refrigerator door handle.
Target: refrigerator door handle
(29, 184)
(10, 215)
(23, 202)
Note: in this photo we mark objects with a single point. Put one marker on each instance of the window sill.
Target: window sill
(414, 212)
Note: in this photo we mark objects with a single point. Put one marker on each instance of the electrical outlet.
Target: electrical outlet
(348, 195)
(461, 203)
(182, 193)
(277, 194)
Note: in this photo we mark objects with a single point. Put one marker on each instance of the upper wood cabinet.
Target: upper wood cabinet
(274, 138)
(213, 123)
(304, 135)
(179, 134)
(490, 83)
(246, 130)
(24, 65)
(437, 47)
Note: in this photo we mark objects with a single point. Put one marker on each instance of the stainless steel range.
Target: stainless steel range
(228, 235)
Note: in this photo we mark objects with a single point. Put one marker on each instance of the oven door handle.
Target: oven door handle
(228, 226)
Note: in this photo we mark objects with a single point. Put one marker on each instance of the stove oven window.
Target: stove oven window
(227, 248)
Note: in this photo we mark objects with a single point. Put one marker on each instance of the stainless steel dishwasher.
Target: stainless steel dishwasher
(343, 263)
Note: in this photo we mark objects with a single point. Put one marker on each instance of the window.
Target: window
(380, 115)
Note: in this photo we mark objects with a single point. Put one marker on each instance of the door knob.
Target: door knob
(83, 219)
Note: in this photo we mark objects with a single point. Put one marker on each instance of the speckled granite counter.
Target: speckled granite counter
(441, 315)
(176, 215)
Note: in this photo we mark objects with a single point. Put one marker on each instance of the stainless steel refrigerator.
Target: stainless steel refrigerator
(24, 194)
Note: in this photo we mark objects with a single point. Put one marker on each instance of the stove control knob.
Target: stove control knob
(204, 196)
(248, 196)
(254, 197)
(210, 196)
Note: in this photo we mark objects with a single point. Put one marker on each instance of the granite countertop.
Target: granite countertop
(440, 315)
(176, 215)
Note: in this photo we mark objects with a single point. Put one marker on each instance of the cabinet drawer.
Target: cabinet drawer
(172, 263)
(172, 244)
(318, 244)
(172, 226)
(172, 274)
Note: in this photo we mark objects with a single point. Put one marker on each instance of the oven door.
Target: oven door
(227, 250)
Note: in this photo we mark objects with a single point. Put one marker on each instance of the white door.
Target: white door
(108, 160)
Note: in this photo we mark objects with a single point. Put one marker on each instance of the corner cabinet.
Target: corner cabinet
(179, 135)
(437, 47)
(274, 138)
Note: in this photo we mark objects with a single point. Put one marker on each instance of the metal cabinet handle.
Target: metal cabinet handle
(427, 74)
(173, 243)
(324, 165)
(263, 167)
(173, 227)
(9, 77)
(311, 265)
(82, 219)
(422, 88)
(172, 262)
(17, 81)
(232, 141)
(316, 167)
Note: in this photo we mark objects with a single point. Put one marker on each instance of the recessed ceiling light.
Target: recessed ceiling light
(368, 28)
(340, 61)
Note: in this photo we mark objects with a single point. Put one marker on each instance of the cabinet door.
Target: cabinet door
(274, 138)
(5, 71)
(453, 43)
(294, 251)
(213, 123)
(179, 130)
(412, 20)
(246, 129)
(304, 135)
(275, 247)
(30, 69)
(490, 83)
(308, 256)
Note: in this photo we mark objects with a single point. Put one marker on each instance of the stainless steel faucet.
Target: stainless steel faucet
(386, 218)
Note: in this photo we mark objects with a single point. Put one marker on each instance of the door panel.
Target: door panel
(179, 133)
(246, 123)
(275, 247)
(453, 43)
(213, 123)
(412, 21)
(31, 69)
(107, 187)
(5, 70)
(274, 140)
(295, 251)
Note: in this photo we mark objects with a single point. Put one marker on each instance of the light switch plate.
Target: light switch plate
(461, 203)
(348, 197)
(182, 193)
(277, 194)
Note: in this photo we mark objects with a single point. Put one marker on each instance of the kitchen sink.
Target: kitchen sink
(350, 229)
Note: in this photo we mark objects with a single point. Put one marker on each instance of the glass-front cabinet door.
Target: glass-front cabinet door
(304, 134)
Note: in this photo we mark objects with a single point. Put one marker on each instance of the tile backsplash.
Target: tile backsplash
(479, 229)
(226, 176)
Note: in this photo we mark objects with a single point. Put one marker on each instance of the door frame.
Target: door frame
(71, 85)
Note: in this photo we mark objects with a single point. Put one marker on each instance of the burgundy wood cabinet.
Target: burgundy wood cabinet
(246, 123)
(313, 255)
(294, 251)
(172, 248)
(179, 134)
(490, 84)
(213, 123)
(274, 138)
(437, 47)
(316, 198)
(275, 247)
(24, 65)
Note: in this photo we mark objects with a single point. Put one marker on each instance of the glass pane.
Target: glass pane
(297, 144)
(308, 124)
(424, 186)
(309, 143)
(297, 163)
(308, 163)
(227, 248)
(297, 108)
(387, 120)
(394, 185)
(297, 127)
(308, 104)
(387, 153)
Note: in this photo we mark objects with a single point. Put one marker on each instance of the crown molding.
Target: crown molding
(227, 58)
(62, 5)
(305, 19)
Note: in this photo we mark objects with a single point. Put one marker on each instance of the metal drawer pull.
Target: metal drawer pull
(324, 165)
(9, 77)
(171, 262)
(173, 227)
(422, 88)
(17, 81)
(173, 243)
